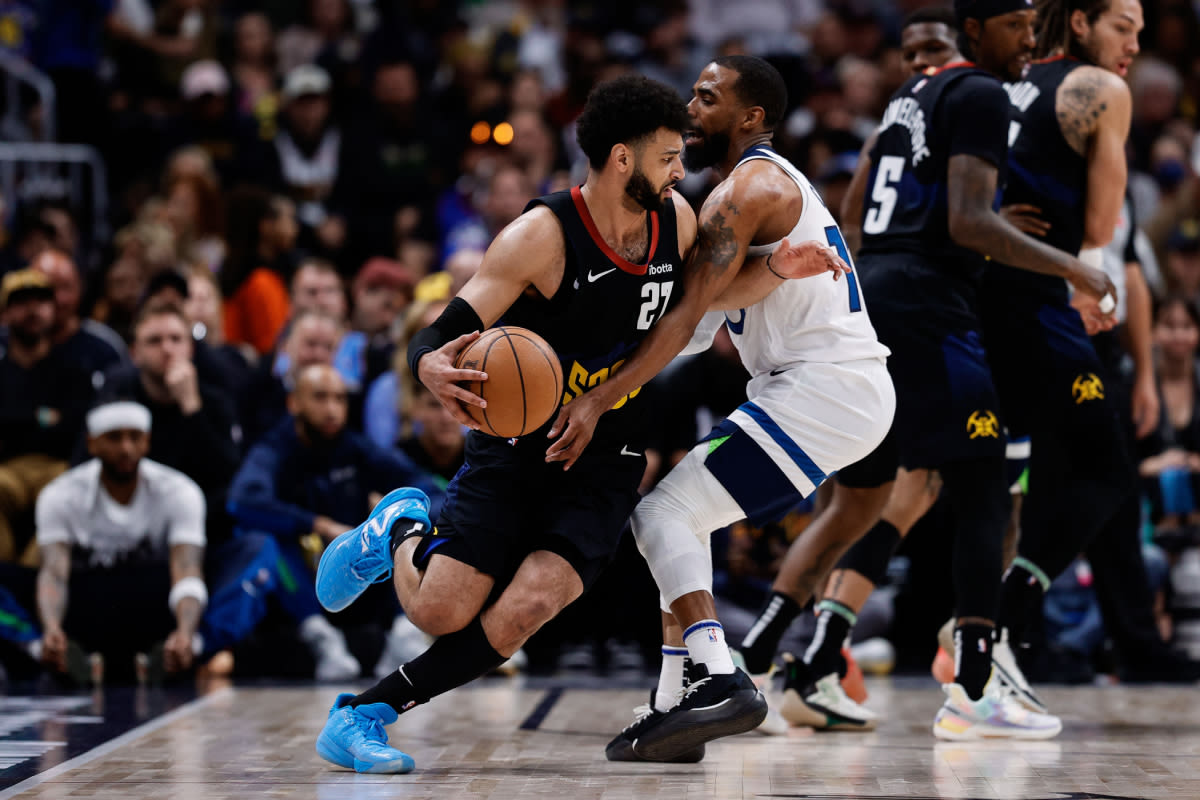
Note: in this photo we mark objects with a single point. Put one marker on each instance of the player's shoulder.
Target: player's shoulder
(759, 182)
(1089, 78)
(535, 236)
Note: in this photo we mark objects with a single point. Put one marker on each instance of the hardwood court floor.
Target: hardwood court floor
(504, 740)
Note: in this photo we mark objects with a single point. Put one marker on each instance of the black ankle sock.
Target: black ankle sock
(834, 622)
(1021, 596)
(402, 529)
(760, 644)
(451, 661)
(973, 643)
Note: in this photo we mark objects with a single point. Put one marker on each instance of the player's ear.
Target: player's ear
(1079, 23)
(971, 29)
(754, 117)
(621, 156)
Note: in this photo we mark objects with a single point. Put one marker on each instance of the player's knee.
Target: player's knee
(439, 616)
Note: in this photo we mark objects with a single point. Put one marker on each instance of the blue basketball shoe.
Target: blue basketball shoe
(354, 738)
(362, 556)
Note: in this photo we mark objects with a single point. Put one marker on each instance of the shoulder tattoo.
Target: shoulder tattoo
(1078, 108)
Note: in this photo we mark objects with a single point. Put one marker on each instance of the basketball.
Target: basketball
(524, 385)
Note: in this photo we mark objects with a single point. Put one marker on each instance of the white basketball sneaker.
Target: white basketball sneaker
(996, 715)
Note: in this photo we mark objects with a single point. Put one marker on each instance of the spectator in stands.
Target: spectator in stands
(210, 120)
(192, 207)
(508, 191)
(1170, 466)
(384, 404)
(310, 475)
(254, 66)
(124, 283)
(381, 291)
(90, 345)
(261, 232)
(434, 440)
(326, 33)
(312, 338)
(302, 160)
(202, 307)
(122, 541)
(43, 398)
(195, 428)
(1183, 260)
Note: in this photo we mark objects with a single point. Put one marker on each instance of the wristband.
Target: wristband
(773, 272)
(456, 319)
(191, 586)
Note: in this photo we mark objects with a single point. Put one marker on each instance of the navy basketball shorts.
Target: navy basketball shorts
(1046, 369)
(507, 502)
(947, 408)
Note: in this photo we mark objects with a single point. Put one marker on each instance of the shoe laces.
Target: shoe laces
(370, 727)
(640, 715)
(368, 562)
(694, 687)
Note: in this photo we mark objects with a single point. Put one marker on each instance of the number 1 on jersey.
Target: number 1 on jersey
(834, 236)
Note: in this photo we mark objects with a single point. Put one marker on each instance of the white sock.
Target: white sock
(670, 677)
(706, 644)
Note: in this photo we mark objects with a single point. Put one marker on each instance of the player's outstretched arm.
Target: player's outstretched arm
(529, 252)
(728, 220)
(971, 188)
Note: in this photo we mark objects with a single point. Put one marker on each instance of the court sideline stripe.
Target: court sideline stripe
(537, 716)
(104, 749)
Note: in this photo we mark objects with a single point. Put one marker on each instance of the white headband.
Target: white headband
(124, 415)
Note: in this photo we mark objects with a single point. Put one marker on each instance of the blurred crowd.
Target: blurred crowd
(295, 188)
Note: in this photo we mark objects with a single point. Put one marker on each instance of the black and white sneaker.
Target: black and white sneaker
(713, 706)
(645, 717)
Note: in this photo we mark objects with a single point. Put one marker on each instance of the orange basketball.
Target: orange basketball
(524, 385)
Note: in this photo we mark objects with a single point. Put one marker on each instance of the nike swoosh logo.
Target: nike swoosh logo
(593, 278)
(775, 372)
(625, 451)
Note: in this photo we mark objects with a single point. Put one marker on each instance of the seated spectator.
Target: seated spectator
(192, 208)
(383, 406)
(90, 345)
(195, 429)
(254, 66)
(261, 233)
(445, 283)
(1183, 260)
(436, 442)
(312, 338)
(310, 475)
(122, 542)
(1170, 466)
(43, 398)
(381, 291)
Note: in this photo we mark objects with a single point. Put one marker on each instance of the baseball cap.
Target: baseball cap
(305, 79)
(22, 283)
(380, 271)
(203, 77)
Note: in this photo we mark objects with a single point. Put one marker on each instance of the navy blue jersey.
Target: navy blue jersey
(958, 110)
(1044, 170)
(604, 308)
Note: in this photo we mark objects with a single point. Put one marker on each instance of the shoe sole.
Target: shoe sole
(673, 739)
(337, 755)
(803, 714)
(972, 734)
(624, 752)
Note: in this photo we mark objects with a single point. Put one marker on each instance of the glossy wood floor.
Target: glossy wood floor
(510, 739)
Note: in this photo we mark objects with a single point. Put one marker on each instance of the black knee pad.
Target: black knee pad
(869, 556)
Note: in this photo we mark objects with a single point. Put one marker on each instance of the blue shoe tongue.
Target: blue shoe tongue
(379, 711)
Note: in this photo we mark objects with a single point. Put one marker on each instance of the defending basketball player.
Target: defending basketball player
(820, 398)
(592, 271)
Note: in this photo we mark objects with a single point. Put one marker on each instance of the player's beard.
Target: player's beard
(121, 477)
(317, 439)
(643, 192)
(711, 151)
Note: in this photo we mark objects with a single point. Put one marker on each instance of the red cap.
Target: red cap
(380, 271)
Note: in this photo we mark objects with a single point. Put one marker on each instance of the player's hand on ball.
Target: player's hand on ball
(437, 371)
(576, 421)
(806, 259)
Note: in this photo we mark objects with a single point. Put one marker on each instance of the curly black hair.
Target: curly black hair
(758, 84)
(627, 110)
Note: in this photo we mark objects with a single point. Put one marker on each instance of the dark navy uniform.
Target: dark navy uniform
(1045, 364)
(507, 501)
(921, 287)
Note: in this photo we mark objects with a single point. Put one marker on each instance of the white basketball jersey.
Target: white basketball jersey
(813, 319)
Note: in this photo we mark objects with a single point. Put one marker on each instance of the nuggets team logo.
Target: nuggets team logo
(1087, 387)
(983, 423)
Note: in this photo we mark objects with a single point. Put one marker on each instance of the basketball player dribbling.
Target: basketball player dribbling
(820, 399)
(591, 270)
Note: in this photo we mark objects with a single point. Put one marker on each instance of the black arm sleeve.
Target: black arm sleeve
(458, 319)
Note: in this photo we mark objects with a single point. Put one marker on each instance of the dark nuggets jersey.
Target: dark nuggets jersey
(1044, 171)
(603, 309)
(930, 119)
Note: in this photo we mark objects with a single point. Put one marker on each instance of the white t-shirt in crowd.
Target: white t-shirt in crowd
(167, 508)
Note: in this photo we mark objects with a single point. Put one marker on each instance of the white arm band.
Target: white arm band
(191, 586)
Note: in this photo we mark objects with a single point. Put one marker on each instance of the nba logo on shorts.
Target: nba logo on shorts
(712, 634)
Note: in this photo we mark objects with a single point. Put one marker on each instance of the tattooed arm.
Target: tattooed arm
(971, 189)
(1094, 107)
(728, 222)
(52, 601)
